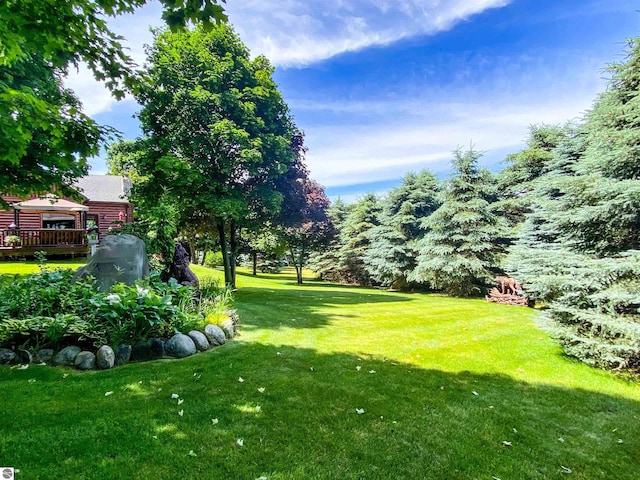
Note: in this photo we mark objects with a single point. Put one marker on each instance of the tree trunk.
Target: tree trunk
(225, 253)
(204, 256)
(254, 256)
(297, 265)
(233, 252)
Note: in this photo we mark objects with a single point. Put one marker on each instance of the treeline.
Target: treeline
(563, 217)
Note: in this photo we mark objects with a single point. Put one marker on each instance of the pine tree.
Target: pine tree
(392, 253)
(457, 254)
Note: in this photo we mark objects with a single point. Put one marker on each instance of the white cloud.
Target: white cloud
(302, 32)
(382, 151)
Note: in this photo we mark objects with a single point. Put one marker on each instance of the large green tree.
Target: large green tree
(457, 253)
(45, 138)
(578, 250)
(218, 133)
(363, 216)
(391, 256)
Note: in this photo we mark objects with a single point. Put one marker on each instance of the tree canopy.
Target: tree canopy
(216, 125)
(45, 138)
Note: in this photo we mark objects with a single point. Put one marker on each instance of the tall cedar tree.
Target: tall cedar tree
(45, 140)
(457, 254)
(517, 179)
(391, 256)
(218, 132)
(579, 249)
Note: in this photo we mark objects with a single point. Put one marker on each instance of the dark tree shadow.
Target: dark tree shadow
(319, 418)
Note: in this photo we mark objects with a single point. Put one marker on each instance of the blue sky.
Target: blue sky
(384, 87)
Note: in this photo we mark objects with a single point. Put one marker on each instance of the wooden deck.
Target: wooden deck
(48, 240)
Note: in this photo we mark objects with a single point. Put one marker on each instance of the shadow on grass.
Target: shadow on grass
(413, 423)
(300, 307)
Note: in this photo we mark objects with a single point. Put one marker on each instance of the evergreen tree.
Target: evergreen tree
(516, 180)
(393, 250)
(457, 254)
(326, 263)
(362, 217)
(579, 249)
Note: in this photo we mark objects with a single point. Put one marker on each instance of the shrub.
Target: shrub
(50, 309)
(213, 259)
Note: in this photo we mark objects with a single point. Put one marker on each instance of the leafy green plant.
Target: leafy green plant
(52, 332)
(12, 240)
(51, 308)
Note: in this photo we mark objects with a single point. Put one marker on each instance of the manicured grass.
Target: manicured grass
(9, 270)
(443, 384)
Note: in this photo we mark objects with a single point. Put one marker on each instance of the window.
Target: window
(57, 220)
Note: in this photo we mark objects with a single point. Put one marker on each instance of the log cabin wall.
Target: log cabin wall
(108, 214)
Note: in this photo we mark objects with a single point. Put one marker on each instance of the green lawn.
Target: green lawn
(448, 389)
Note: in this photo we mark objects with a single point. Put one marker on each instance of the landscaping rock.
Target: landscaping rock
(235, 318)
(228, 328)
(123, 354)
(120, 258)
(23, 357)
(200, 340)
(180, 346)
(45, 355)
(67, 355)
(85, 361)
(6, 355)
(215, 335)
(106, 357)
(151, 349)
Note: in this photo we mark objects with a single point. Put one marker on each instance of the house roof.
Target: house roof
(104, 188)
(49, 204)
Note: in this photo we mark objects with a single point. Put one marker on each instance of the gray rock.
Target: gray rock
(180, 346)
(123, 354)
(215, 335)
(44, 356)
(6, 355)
(23, 356)
(85, 361)
(67, 355)
(235, 318)
(120, 258)
(151, 349)
(200, 340)
(228, 328)
(106, 357)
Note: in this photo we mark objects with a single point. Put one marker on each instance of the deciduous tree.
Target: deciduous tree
(45, 138)
(219, 133)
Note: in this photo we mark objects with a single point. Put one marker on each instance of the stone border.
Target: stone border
(178, 346)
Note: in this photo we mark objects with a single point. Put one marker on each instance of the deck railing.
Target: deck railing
(44, 237)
